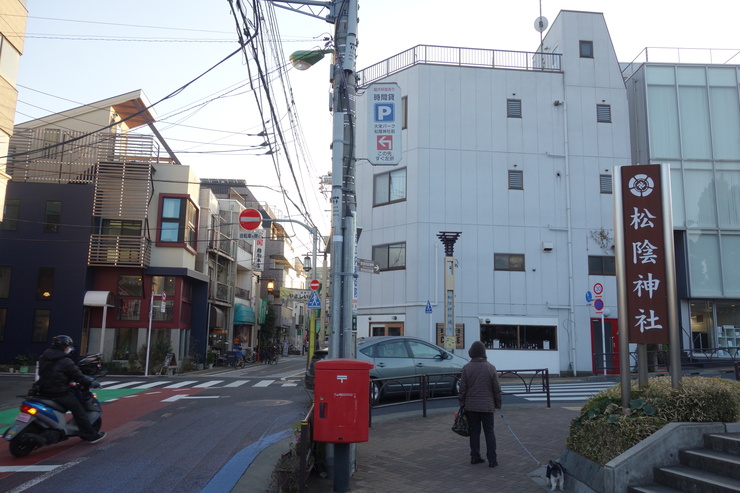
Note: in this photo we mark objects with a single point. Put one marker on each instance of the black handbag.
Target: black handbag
(462, 424)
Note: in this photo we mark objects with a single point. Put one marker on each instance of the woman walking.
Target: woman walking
(480, 393)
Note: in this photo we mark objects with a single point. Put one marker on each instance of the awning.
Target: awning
(243, 314)
(98, 298)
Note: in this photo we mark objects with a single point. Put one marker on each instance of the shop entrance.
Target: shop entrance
(605, 346)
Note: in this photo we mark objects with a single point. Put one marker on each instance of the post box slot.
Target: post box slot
(322, 410)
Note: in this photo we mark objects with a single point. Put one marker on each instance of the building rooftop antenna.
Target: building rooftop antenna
(540, 24)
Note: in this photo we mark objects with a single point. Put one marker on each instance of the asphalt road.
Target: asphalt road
(177, 435)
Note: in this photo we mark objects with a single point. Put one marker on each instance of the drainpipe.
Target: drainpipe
(568, 210)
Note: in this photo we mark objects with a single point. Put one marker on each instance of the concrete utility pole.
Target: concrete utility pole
(343, 14)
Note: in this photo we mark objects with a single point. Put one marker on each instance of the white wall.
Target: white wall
(458, 149)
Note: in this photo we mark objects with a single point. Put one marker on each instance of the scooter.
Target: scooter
(43, 422)
(91, 365)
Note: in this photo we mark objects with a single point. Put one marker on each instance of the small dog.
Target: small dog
(555, 476)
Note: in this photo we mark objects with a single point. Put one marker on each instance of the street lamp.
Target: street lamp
(307, 265)
(270, 286)
(304, 59)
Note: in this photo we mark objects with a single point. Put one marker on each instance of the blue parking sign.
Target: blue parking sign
(384, 112)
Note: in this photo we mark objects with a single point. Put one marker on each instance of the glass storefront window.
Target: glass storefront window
(702, 322)
(519, 336)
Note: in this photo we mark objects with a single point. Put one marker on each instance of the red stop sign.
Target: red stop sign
(250, 219)
(315, 284)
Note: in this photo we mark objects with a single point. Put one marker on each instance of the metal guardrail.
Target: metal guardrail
(460, 57)
(305, 450)
(427, 386)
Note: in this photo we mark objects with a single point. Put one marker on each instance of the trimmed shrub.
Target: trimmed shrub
(602, 431)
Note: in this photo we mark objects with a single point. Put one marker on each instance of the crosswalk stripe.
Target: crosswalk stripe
(179, 385)
(205, 385)
(122, 385)
(151, 384)
(238, 383)
(263, 383)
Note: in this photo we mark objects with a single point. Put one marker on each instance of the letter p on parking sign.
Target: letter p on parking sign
(385, 112)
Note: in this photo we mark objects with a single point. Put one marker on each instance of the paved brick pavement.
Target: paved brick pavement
(411, 454)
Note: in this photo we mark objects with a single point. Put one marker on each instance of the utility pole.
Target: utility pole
(343, 15)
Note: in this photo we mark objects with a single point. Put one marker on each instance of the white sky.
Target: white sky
(72, 71)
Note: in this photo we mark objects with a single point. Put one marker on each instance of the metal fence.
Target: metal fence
(425, 388)
(460, 57)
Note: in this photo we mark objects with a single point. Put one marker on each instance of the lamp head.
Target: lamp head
(307, 264)
(304, 59)
(270, 286)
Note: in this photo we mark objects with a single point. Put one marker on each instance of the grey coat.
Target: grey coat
(480, 390)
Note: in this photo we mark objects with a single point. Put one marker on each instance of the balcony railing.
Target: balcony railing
(221, 292)
(119, 251)
(65, 156)
(460, 57)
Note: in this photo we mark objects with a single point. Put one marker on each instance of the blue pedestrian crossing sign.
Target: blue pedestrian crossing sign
(428, 308)
(314, 302)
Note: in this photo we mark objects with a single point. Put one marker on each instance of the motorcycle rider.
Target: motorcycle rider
(56, 371)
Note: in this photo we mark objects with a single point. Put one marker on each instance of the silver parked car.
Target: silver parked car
(403, 356)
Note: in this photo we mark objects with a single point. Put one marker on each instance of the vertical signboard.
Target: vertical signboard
(644, 218)
(384, 124)
(259, 255)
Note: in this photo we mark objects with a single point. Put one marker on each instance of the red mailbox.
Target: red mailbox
(341, 412)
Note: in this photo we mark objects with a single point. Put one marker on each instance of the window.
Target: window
(41, 320)
(390, 329)
(513, 108)
(162, 284)
(390, 349)
(9, 60)
(5, 271)
(543, 337)
(423, 350)
(118, 227)
(10, 215)
(45, 283)
(603, 113)
(605, 183)
(128, 310)
(178, 221)
(3, 318)
(52, 216)
(130, 286)
(508, 261)
(404, 112)
(599, 265)
(163, 316)
(391, 256)
(586, 49)
(516, 179)
(389, 187)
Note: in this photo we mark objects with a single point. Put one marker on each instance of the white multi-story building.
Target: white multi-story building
(515, 152)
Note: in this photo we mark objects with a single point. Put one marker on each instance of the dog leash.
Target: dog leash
(517, 439)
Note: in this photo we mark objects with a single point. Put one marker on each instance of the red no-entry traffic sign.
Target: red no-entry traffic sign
(250, 219)
(315, 284)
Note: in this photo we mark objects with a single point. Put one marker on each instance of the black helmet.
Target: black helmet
(61, 342)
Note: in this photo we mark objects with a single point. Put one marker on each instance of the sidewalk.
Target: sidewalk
(409, 453)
